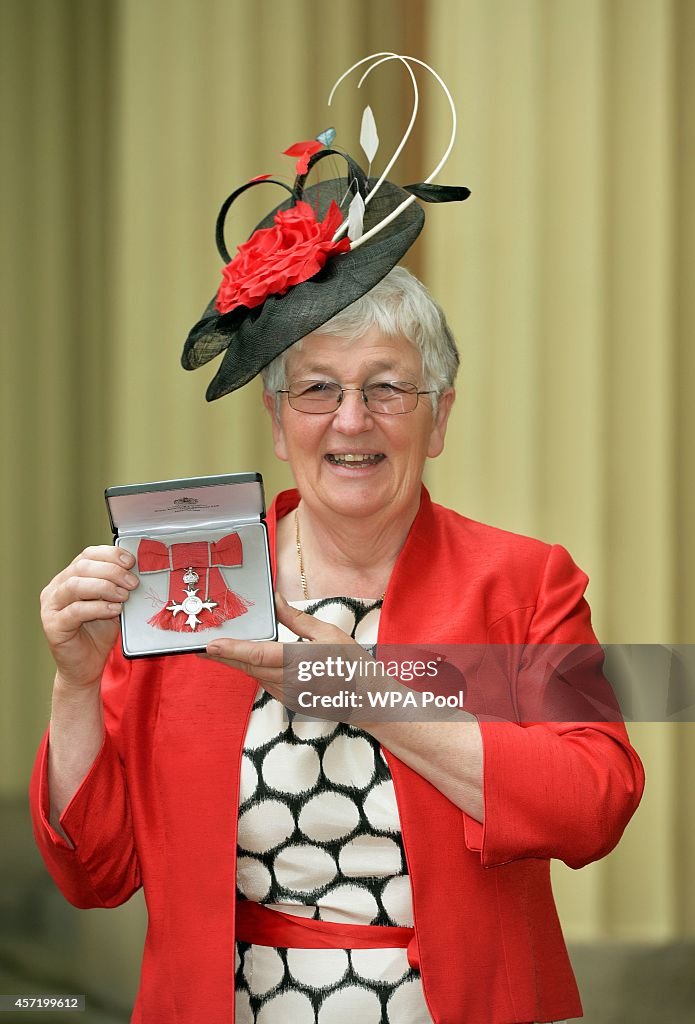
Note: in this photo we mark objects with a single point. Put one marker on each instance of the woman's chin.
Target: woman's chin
(357, 491)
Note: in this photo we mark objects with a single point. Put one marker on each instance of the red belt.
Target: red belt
(261, 926)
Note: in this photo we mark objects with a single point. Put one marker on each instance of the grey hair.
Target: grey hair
(398, 305)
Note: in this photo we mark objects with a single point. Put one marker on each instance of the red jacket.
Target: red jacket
(159, 806)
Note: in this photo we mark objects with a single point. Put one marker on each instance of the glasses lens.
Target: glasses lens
(391, 397)
(314, 396)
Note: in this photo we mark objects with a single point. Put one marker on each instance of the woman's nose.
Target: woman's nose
(352, 415)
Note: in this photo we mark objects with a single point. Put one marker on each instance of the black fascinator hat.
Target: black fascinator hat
(311, 256)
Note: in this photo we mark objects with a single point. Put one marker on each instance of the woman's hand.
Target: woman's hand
(273, 664)
(80, 609)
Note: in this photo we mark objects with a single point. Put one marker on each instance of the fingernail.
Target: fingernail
(126, 559)
(214, 649)
(114, 607)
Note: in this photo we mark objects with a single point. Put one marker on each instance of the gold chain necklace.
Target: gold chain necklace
(300, 558)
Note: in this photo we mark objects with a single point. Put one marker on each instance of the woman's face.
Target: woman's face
(396, 446)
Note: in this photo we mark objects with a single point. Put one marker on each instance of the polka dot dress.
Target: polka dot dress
(319, 837)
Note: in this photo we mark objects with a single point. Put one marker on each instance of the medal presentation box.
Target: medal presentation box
(202, 558)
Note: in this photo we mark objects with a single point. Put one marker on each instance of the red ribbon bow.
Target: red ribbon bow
(203, 557)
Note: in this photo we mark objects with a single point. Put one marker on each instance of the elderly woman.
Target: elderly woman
(328, 871)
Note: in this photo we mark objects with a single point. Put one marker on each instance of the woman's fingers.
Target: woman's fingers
(87, 578)
(86, 561)
(79, 588)
(91, 588)
(261, 659)
(97, 578)
(108, 553)
(77, 614)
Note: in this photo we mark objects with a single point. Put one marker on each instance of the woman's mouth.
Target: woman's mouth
(355, 460)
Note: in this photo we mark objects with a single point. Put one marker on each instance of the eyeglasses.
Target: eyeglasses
(320, 396)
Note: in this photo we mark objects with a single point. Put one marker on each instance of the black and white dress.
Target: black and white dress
(319, 837)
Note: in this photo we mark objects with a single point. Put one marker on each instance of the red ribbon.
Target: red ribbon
(261, 926)
(203, 557)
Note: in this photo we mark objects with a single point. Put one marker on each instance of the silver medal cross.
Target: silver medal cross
(191, 604)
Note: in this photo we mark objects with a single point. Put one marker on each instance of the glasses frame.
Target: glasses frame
(365, 397)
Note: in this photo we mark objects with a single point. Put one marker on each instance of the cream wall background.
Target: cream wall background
(567, 278)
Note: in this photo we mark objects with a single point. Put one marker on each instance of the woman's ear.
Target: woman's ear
(441, 419)
(270, 401)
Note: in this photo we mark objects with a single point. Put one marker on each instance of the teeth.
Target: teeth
(355, 458)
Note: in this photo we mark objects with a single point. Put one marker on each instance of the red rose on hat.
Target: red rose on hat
(275, 259)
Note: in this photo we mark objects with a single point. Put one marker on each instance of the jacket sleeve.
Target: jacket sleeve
(555, 788)
(101, 868)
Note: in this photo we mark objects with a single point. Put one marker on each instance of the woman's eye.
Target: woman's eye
(387, 389)
(314, 387)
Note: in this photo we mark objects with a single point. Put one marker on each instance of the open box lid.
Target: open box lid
(202, 502)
